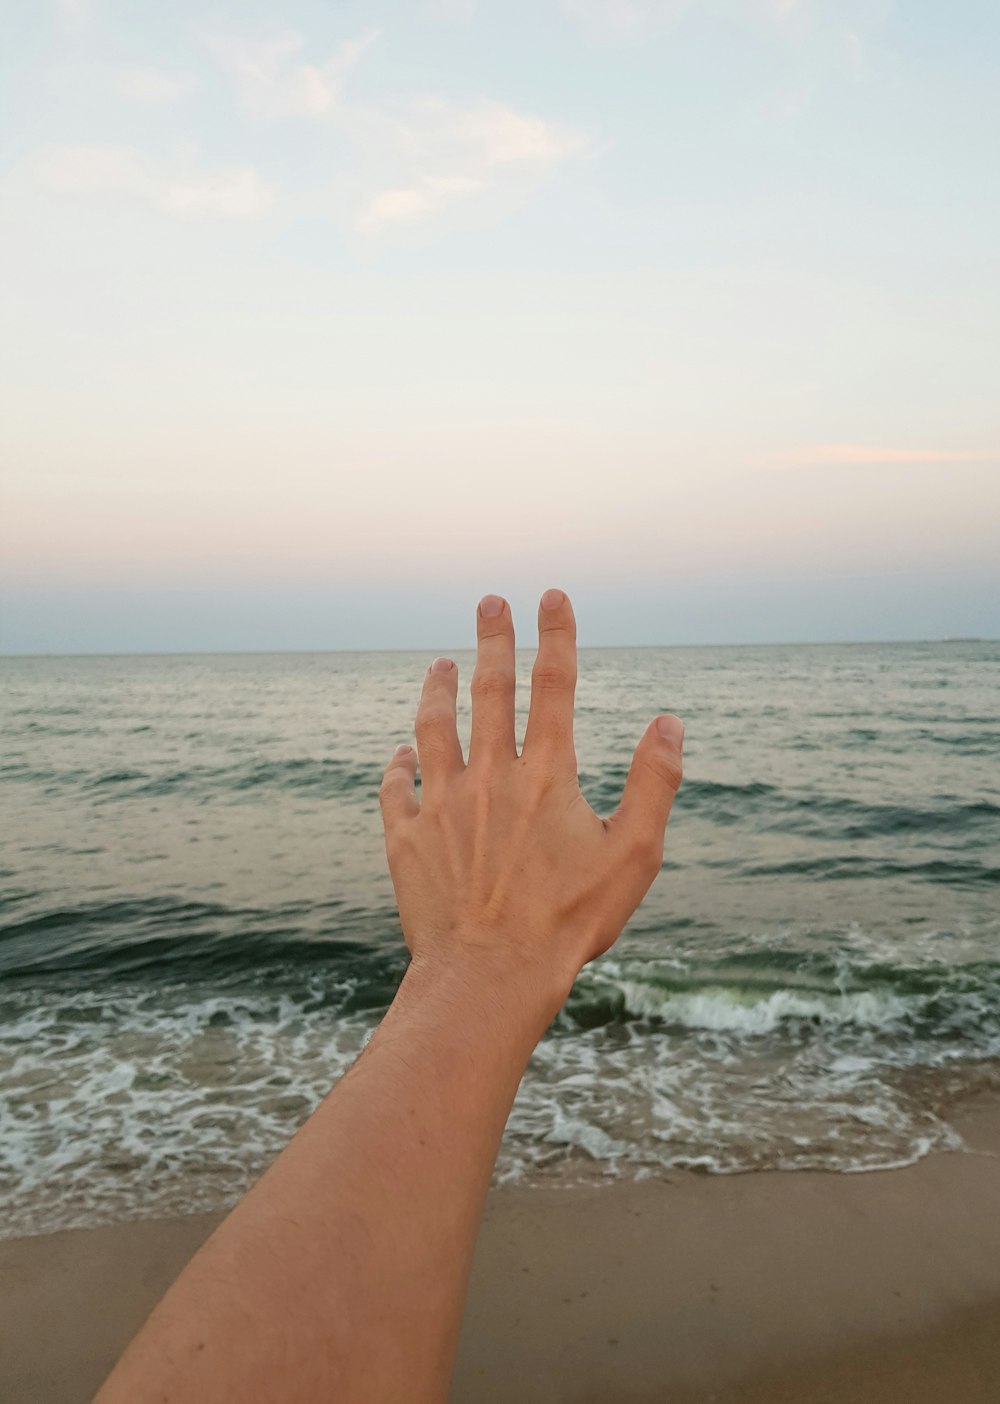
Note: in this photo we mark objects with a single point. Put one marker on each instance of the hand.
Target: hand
(502, 867)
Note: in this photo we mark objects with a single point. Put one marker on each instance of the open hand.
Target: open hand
(501, 866)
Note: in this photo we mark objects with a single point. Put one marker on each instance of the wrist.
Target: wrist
(490, 981)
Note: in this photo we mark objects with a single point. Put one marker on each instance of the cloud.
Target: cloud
(400, 162)
(862, 455)
(183, 192)
(488, 134)
(447, 154)
(271, 84)
(151, 87)
(392, 206)
(402, 206)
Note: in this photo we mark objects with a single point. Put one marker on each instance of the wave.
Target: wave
(747, 1012)
(603, 790)
(773, 985)
(761, 995)
(810, 812)
(806, 813)
(325, 776)
(954, 871)
(165, 938)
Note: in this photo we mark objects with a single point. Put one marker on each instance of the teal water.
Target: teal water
(197, 930)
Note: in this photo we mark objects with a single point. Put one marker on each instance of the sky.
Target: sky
(322, 319)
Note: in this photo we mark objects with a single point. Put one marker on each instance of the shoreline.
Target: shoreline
(770, 1286)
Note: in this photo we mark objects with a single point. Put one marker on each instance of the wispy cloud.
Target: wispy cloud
(273, 82)
(408, 203)
(151, 87)
(448, 153)
(183, 191)
(397, 164)
(402, 162)
(862, 455)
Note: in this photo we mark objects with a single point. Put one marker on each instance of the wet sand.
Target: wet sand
(812, 1288)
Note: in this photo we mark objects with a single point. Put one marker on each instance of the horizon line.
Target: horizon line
(471, 648)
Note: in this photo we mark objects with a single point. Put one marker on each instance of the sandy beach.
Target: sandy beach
(739, 1290)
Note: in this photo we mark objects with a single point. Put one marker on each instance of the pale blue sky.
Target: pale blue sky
(323, 319)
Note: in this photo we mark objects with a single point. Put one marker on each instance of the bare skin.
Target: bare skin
(342, 1274)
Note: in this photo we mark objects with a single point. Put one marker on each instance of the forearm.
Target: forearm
(342, 1274)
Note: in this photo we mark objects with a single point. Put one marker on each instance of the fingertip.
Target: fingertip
(555, 613)
(670, 728)
(494, 618)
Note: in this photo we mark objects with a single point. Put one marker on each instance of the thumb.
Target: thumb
(653, 780)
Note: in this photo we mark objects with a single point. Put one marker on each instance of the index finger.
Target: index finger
(553, 680)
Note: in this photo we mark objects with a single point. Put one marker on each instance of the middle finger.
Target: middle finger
(493, 683)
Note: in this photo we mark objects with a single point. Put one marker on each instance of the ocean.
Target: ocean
(197, 930)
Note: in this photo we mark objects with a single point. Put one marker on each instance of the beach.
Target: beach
(739, 1289)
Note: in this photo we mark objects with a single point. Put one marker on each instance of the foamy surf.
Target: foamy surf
(130, 1101)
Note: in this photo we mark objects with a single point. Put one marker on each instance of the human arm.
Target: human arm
(341, 1276)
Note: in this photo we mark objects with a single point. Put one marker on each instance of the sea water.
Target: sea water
(197, 930)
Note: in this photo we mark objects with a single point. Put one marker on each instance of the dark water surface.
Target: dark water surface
(197, 929)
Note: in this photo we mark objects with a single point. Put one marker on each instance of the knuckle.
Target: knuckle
(432, 727)
(489, 684)
(395, 778)
(553, 677)
(668, 770)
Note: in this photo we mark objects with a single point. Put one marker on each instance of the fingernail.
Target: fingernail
(670, 728)
(490, 606)
(442, 665)
(552, 599)
(402, 750)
